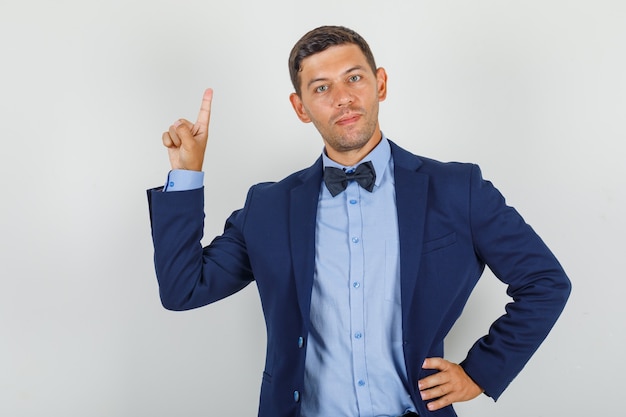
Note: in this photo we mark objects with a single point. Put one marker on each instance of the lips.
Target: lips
(347, 119)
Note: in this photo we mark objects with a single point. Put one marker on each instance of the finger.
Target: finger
(453, 386)
(435, 363)
(435, 379)
(441, 396)
(174, 135)
(167, 140)
(435, 392)
(432, 381)
(184, 130)
(204, 116)
(440, 403)
(184, 123)
(180, 130)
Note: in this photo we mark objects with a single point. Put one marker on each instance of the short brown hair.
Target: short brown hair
(320, 39)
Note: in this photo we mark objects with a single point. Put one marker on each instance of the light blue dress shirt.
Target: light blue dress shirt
(183, 180)
(355, 362)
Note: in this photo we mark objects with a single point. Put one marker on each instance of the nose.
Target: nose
(343, 96)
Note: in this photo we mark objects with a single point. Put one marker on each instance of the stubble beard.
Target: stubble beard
(353, 139)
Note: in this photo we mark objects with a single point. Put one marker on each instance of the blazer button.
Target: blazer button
(300, 342)
(296, 396)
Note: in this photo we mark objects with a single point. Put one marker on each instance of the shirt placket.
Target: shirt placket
(357, 298)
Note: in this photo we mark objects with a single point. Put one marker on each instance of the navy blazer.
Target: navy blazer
(451, 224)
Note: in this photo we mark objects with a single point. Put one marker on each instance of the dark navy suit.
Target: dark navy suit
(451, 224)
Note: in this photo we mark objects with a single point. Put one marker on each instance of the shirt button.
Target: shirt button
(361, 383)
(171, 183)
(356, 284)
(353, 201)
(358, 335)
(296, 396)
(355, 240)
(300, 342)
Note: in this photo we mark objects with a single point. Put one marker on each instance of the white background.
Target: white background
(533, 91)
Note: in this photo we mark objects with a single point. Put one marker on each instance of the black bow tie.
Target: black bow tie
(336, 179)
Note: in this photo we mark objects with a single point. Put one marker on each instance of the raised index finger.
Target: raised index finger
(202, 124)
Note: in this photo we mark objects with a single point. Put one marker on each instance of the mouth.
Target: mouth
(348, 119)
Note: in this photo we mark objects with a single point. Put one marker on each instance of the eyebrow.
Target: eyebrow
(346, 72)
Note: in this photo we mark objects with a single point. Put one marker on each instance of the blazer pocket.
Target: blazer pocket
(440, 243)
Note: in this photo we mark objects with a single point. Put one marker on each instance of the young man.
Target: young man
(363, 261)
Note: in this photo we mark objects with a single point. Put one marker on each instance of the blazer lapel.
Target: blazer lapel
(302, 217)
(411, 196)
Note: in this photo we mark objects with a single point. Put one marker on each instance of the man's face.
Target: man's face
(340, 95)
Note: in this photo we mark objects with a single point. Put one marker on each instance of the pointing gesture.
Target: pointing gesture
(186, 142)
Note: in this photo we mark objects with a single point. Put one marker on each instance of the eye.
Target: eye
(354, 78)
(321, 88)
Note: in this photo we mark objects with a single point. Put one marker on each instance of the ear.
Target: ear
(298, 106)
(381, 80)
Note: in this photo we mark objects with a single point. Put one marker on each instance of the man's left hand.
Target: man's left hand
(450, 385)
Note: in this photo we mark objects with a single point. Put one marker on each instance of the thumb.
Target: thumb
(184, 130)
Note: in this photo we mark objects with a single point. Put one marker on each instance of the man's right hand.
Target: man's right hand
(186, 142)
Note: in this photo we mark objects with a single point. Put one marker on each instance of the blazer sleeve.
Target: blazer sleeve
(537, 284)
(189, 275)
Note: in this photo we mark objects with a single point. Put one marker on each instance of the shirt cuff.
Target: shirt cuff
(183, 180)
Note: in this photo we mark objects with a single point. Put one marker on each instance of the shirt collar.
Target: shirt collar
(379, 156)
